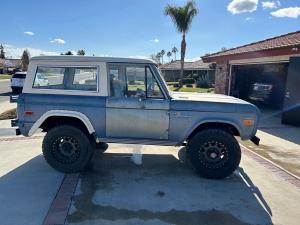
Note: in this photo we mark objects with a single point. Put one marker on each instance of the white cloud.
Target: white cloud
(242, 6)
(155, 40)
(249, 19)
(192, 59)
(58, 41)
(139, 57)
(16, 52)
(270, 4)
(291, 12)
(29, 33)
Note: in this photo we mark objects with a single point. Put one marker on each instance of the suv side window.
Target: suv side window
(47, 77)
(67, 78)
(133, 81)
(136, 82)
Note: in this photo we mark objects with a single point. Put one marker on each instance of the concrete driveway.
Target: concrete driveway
(164, 190)
(279, 143)
(133, 184)
(27, 184)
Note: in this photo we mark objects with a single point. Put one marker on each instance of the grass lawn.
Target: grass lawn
(4, 76)
(172, 83)
(186, 89)
(9, 114)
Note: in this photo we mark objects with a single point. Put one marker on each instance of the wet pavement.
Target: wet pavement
(164, 190)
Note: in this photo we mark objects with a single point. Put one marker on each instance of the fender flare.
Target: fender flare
(214, 121)
(65, 113)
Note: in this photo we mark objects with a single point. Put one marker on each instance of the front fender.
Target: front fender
(235, 125)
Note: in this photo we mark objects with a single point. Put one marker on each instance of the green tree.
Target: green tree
(162, 53)
(174, 51)
(169, 54)
(80, 52)
(182, 17)
(25, 60)
(2, 53)
(68, 53)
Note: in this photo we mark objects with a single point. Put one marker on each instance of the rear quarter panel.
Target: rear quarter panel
(91, 106)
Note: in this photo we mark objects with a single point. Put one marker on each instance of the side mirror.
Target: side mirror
(140, 94)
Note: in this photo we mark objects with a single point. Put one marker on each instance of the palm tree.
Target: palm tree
(174, 51)
(162, 53)
(169, 54)
(158, 56)
(182, 17)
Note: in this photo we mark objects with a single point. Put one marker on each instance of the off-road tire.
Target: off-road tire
(203, 148)
(53, 146)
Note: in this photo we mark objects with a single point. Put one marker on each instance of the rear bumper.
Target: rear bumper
(14, 123)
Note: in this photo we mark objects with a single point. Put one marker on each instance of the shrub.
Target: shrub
(203, 84)
(187, 81)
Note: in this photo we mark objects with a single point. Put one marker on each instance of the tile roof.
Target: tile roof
(175, 65)
(10, 62)
(286, 40)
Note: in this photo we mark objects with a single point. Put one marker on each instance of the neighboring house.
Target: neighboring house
(171, 71)
(274, 60)
(9, 65)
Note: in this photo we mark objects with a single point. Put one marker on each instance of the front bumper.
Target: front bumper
(255, 140)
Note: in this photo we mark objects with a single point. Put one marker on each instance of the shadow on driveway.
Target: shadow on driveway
(163, 190)
(27, 192)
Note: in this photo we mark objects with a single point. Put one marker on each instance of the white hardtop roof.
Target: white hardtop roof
(64, 58)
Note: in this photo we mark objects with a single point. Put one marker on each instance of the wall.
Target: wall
(222, 77)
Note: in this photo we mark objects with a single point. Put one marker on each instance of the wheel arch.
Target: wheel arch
(225, 125)
(52, 114)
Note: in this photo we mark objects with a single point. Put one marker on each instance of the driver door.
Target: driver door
(136, 107)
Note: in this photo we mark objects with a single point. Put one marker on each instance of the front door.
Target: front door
(136, 107)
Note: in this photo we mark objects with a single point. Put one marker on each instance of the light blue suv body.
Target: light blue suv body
(118, 100)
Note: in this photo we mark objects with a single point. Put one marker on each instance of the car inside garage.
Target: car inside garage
(261, 84)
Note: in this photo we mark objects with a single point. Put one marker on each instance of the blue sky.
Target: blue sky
(138, 28)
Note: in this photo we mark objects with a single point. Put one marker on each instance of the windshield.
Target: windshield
(163, 80)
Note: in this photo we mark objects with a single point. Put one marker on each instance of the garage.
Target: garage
(266, 73)
(262, 84)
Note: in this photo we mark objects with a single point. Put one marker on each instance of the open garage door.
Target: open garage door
(291, 113)
(261, 84)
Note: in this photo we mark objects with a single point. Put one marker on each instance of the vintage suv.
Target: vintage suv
(90, 101)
